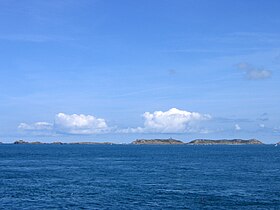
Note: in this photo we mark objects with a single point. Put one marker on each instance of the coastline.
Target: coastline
(204, 142)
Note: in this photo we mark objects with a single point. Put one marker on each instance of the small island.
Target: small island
(157, 141)
(224, 142)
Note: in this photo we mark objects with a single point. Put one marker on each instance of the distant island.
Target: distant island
(26, 142)
(110, 143)
(157, 141)
(198, 141)
(59, 143)
(224, 141)
(169, 141)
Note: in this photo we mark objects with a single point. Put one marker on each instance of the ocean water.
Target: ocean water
(139, 177)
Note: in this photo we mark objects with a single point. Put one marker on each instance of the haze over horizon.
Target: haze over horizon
(105, 70)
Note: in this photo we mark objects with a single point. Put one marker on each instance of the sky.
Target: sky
(106, 70)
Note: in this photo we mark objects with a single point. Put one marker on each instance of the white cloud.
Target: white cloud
(80, 124)
(253, 73)
(237, 127)
(38, 126)
(171, 121)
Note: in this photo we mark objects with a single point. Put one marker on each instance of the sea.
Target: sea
(139, 177)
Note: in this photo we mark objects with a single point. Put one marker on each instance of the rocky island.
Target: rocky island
(224, 142)
(157, 141)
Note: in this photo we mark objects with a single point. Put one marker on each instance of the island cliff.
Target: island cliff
(224, 141)
(157, 141)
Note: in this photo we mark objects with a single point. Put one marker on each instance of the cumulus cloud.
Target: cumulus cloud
(38, 126)
(80, 124)
(68, 124)
(254, 73)
(171, 121)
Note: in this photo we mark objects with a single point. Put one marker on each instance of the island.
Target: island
(26, 142)
(169, 141)
(224, 142)
(110, 143)
(60, 143)
(157, 141)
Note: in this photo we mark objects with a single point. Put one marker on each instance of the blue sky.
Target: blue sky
(106, 70)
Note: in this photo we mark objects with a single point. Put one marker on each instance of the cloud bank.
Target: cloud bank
(171, 121)
(253, 73)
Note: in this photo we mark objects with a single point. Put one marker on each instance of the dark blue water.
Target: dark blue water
(139, 177)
